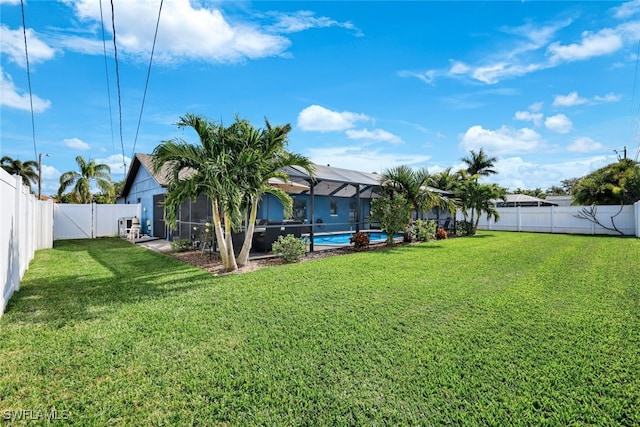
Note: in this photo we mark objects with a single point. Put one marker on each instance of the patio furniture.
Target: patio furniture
(262, 241)
(135, 231)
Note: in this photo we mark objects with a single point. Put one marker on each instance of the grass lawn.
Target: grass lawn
(498, 329)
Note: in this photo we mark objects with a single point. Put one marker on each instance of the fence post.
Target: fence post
(636, 209)
(519, 218)
(553, 212)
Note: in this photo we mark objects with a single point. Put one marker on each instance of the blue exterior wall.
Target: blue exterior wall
(271, 208)
(142, 190)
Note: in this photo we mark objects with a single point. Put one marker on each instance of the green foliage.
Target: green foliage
(360, 241)
(181, 245)
(465, 228)
(393, 214)
(89, 172)
(27, 170)
(504, 329)
(290, 248)
(614, 184)
(424, 230)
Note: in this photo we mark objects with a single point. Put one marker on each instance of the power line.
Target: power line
(26, 53)
(106, 69)
(115, 53)
(146, 85)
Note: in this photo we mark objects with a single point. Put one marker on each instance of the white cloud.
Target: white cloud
(320, 119)
(375, 135)
(559, 123)
(362, 158)
(627, 9)
(187, 32)
(569, 100)
(428, 76)
(592, 44)
(12, 42)
(536, 107)
(610, 97)
(585, 145)
(304, 20)
(76, 144)
(501, 141)
(12, 99)
(514, 172)
(115, 163)
(9, 2)
(528, 116)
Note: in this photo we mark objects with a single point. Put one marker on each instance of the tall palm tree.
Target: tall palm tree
(89, 173)
(480, 163)
(476, 198)
(231, 165)
(268, 145)
(28, 170)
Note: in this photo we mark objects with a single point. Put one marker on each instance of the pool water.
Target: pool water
(343, 238)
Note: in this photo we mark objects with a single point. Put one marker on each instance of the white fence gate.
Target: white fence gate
(564, 219)
(89, 221)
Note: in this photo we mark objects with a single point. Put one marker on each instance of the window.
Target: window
(333, 208)
(299, 209)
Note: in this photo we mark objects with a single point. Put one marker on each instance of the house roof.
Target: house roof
(523, 200)
(327, 180)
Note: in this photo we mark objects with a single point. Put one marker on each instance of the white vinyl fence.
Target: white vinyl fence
(565, 219)
(89, 221)
(27, 225)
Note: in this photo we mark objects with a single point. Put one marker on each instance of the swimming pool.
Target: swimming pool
(343, 238)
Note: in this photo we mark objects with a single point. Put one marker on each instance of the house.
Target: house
(515, 200)
(335, 199)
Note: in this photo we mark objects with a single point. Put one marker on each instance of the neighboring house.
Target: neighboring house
(560, 200)
(335, 200)
(515, 200)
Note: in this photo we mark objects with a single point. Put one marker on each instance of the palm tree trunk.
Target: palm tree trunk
(217, 226)
(231, 265)
(243, 258)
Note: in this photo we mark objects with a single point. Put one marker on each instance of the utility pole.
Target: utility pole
(40, 174)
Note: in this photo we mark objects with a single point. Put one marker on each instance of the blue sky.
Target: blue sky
(549, 88)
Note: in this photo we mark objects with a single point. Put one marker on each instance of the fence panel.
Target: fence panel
(105, 218)
(25, 227)
(564, 219)
(88, 221)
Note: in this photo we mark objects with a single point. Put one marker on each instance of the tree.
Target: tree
(393, 212)
(28, 170)
(477, 198)
(480, 163)
(445, 180)
(414, 186)
(616, 183)
(90, 173)
(533, 193)
(231, 166)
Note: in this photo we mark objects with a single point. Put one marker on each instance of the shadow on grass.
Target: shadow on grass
(81, 280)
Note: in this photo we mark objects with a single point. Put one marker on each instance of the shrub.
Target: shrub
(393, 214)
(181, 245)
(290, 248)
(441, 233)
(359, 241)
(425, 230)
(464, 228)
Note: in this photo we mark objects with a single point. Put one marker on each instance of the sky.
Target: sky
(549, 88)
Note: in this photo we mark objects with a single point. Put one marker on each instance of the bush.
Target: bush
(359, 241)
(290, 248)
(464, 228)
(181, 245)
(425, 230)
(441, 233)
(393, 214)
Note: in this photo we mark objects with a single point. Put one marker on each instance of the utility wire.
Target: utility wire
(115, 53)
(106, 69)
(26, 53)
(146, 85)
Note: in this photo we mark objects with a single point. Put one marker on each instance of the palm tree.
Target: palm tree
(231, 165)
(90, 172)
(414, 185)
(28, 170)
(269, 147)
(476, 198)
(479, 163)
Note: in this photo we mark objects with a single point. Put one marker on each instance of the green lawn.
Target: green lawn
(498, 329)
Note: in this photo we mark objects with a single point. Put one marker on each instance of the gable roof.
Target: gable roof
(162, 177)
